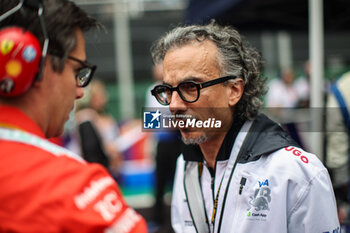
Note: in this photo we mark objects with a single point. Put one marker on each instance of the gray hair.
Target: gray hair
(235, 57)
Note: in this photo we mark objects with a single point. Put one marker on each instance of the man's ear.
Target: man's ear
(47, 71)
(236, 89)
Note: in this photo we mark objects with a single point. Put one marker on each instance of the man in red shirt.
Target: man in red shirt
(43, 69)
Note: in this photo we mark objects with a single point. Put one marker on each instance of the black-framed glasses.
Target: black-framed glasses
(85, 73)
(189, 91)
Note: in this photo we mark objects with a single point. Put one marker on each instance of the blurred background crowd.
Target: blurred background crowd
(106, 126)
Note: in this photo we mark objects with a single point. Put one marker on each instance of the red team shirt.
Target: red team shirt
(44, 189)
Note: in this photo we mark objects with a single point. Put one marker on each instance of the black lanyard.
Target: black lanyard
(215, 205)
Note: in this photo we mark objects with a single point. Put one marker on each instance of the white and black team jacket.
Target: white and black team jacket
(263, 182)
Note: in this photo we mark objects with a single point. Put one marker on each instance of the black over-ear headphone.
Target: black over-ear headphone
(21, 55)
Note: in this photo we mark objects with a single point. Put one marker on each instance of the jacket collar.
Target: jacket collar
(265, 136)
(11, 117)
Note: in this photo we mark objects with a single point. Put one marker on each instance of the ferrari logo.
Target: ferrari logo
(6, 46)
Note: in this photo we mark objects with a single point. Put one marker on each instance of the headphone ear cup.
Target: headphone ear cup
(20, 55)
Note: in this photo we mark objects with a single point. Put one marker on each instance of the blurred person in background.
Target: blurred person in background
(338, 142)
(44, 187)
(282, 92)
(168, 148)
(249, 176)
(282, 99)
(97, 129)
(302, 85)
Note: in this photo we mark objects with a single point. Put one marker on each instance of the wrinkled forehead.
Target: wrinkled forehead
(204, 44)
(197, 59)
(201, 51)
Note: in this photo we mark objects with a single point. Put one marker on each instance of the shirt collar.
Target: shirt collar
(14, 118)
(194, 153)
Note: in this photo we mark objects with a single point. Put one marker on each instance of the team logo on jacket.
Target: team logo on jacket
(259, 201)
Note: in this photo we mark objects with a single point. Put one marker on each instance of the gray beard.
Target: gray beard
(195, 141)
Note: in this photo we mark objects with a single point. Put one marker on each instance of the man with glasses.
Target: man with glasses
(249, 175)
(43, 69)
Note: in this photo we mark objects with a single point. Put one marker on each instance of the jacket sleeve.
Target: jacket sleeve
(315, 210)
(95, 203)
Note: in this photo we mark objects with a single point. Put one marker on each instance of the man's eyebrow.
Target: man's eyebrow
(195, 79)
(191, 78)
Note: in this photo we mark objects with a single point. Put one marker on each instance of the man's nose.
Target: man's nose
(176, 103)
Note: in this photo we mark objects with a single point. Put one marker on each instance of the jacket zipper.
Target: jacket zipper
(238, 202)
